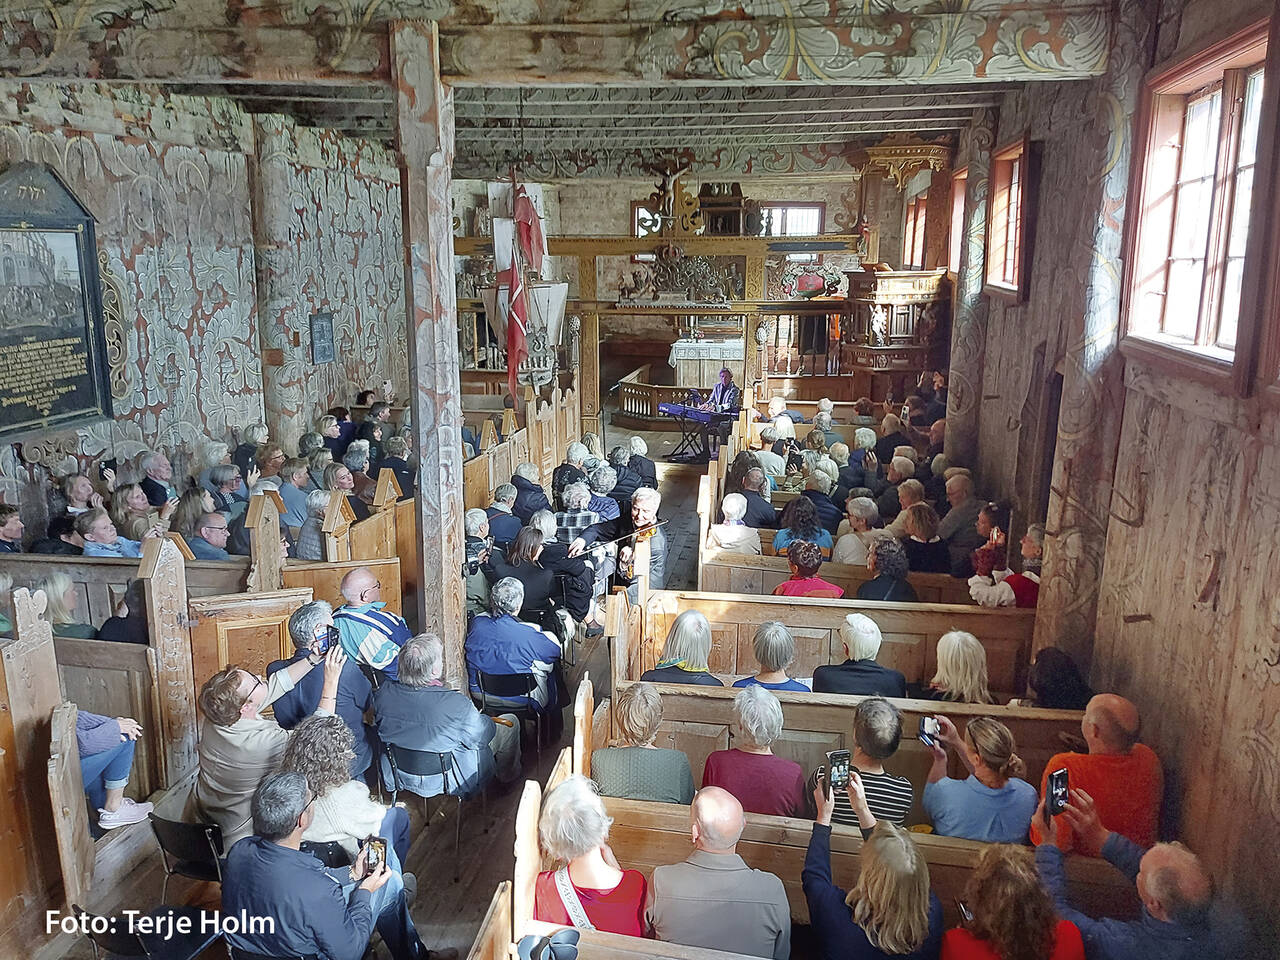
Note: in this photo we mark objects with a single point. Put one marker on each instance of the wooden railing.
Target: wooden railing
(639, 399)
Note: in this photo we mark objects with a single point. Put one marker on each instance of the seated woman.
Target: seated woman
(800, 522)
(992, 804)
(1011, 913)
(243, 456)
(926, 552)
(106, 757)
(521, 562)
(1004, 588)
(822, 480)
(861, 525)
(132, 514)
(733, 535)
(225, 487)
(993, 524)
(805, 559)
(588, 885)
(356, 459)
(775, 650)
(637, 770)
(1054, 683)
(338, 477)
(311, 533)
(322, 749)
(129, 625)
(397, 461)
(684, 655)
(890, 912)
(63, 598)
(962, 671)
(193, 504)
(762, 782)
(888, 561)
(317, 463)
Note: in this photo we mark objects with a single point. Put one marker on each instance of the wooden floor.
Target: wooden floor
(448, 913)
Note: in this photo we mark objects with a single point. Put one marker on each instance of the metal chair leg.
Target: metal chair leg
(457, 838)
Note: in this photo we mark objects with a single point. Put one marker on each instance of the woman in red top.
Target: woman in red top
(762, 782)
(1012, 916)
(805, 558)
(590, 890)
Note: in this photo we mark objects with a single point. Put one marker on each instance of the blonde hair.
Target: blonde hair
(994, 744)
(689, 641)
(962, 668)
(890, 900)
(55, 585)
(638, 711)
(921, 520)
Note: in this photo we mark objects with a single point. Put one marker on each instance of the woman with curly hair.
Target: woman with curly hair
(132, 513)
(322, 749)
(1011, 914)
(805, 558)
(800, 522)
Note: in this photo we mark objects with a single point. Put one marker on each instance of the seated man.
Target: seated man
(1178, 919)
(529, 496)
(238, 746)
(734, 535)
(11, 528)
(369, 633)
(295, 477)
(641, 465)
(877, 732)
(315, 911)
(61, 538)
(1122, 775)
(395, 458)
(725, 398)
(475, 527)
(157, 484)
(771, 463)
(641, 521)
(101, 539)
(627, 481)
(859, 674)
(504, 526)
(313, 633)
(570, 471)
(713, 899)
(900, 469)
(498, 643)
(760, 512)
(211, 536)
(778, 408)
(909, 493)
(822, 423)
(959, 526)
(418, 712)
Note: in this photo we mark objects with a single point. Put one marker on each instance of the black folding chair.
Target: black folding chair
(511, 686)
(119, 937)
(428, 763)
(191, 850)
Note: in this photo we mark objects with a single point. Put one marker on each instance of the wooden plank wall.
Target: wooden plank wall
(325, 579)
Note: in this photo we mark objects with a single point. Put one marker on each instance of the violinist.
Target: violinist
(641, 523)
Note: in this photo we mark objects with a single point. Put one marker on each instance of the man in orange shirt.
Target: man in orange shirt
(1123, 776)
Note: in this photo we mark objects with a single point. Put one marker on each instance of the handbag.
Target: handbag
(569, 898)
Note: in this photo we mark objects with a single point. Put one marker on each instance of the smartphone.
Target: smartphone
(929, 731)
(965, 913)
(104, 466)
(837, 770)
(1057, 792)
(376, 854)
(324, 643)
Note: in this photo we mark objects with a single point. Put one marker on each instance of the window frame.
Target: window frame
(820, 205)
(1026, 153)
(915, 218)
(1148, 233)
(955, 233)
(636, 207)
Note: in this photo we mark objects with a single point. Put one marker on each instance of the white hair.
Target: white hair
(903, 466)
(822, 421)
(777, 405)
(819, 480)
(829, 467)
(576, 496)
(505, 493)
(639, 447)
(215, 451)
(768, 435)
(839, 453)
(865, 508)
(255, 433)
(860, 636)
(604, 479)
(575, 454)
(506, 597)
(573, 821)
(528, 471)
(864, 438)
(774, 647)
(786, 429)
(826, 406)
(734, 506)
(689, 640)
(421, 660)
(152, 458)
(317, 503)
(473, 521)
(544, 521)
(647, 495)
(758, 714)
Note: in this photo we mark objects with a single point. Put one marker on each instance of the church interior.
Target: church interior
(341, 287)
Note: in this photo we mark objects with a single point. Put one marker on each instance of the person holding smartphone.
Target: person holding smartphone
(992, 804)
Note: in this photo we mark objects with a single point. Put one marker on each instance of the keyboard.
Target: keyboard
(683, 411)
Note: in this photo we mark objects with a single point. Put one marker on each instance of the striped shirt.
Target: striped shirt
(889, 798)
(372, 635)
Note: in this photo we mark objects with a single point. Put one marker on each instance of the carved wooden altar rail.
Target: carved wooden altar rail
(638, 400)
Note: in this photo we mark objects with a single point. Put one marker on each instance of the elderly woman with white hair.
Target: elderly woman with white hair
(311, 533)
(734, 535)
(636, 769)
(684, 655)
(762, 782)
(859, 674)
(961, 676)
(570, 471)
(860, 527)
(775, 650)
(587, 889)
(530, 497)
(641, 464)
(1004, 588)
(822, 423)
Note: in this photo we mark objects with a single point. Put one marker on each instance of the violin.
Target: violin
(627, 567)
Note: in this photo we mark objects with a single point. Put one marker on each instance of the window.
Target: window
(1015, 180)
(793, 220)
(959, 182)
(644, 223)
(1200, 121)
(913, 234)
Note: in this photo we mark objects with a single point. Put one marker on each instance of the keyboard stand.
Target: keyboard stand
(692, 448)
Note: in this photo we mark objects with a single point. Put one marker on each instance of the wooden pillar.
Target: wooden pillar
(969, 310)
(424, 132)
(753, 374)
(164, 578)
(589, 349)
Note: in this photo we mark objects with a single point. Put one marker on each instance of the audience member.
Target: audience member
(357, 460)
(375, 428)
(129, 625)
(416, 711)
(961, 676)
(993, 804)
(269, 458)
(224, 486)
(761, 781)
(157, 479)
(529, 496)
(877, 733)
(238, 746)
(822, 424)
(805, 559)
(937, 438)
(503, 524)
(889, 503)
(61, 538)
(246, 452)
(733, 535)
(926, 553)
(759, 513)
(209, 542)
(106, 757)
(1003, 588)
(308, 444)
(498, 643)
(603, 479)
(816, 441)
(475, 524)
(992, 524)
(102, 540)
(685, 653)
(628, 481)
(800, 521)
(859, 529)
(213, 453)
(640, 464)
(785, 426)
(595, 453)
(61, 599)
(771, 463)
(294, 479)
(713, 899)
(337, 476)
(636, 769)
(775, 650)
(817, 489)
(543, 593)
(778, 408)
(638, 523)
(590, 890)
(369, 633)
(577, 514)
(1122, 776)
(78, 491)
(864, 410)
(570, 471)
(315, 910)
(892, 435)
(909, 493)
(132, 515)
(311, 533)
(959, 527)
(193, 504)
(860, 674)
(1054, 683)
(1011, 915)
(312, 630)
(891, 911)
(317, 464)
(395, 457)
(888, 561)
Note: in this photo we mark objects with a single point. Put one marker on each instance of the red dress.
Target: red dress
(960, 944)
(620, 910)
(808, 587)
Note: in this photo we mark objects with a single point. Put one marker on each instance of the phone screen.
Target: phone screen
(838, 769)
(376, 855)
(965, 912)
(929, 730)
(1057, 790)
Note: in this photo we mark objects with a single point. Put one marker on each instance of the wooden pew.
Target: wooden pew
(493, 940)
(910, 632)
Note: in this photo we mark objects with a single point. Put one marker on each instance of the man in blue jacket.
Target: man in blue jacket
(504, 526)
(498, 643)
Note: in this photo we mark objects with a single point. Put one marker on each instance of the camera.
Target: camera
(477, 553)
(929, 731)
(837, 770)
(1057, 792)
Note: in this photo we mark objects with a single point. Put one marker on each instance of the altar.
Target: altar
(697, 363)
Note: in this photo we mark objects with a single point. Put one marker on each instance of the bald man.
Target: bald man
(713, 899)
(1178, 921)
(1122, 775)
(368, 633)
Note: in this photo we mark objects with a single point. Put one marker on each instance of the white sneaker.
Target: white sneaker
(129, 812)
